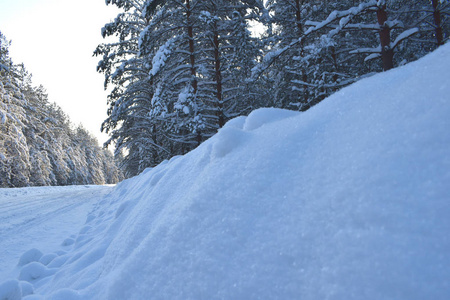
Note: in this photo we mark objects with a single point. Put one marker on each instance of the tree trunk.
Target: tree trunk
(218, 77)
(191, 45)
(387, 53)
(298, 17)
(199, 138)
(437, 23)
(194, 82)
(298, 21)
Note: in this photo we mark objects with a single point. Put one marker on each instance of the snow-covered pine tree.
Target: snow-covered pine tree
(432, 19)
(373, 15)
(170, 41)
(316, 61)
(229, 52)
(92, 157)
(37, 143)
(127, 72)
(302, 65)
(111, 171)
(199, 78)
(14, 154)
(178, 73)
(243, 52)
(38, 134)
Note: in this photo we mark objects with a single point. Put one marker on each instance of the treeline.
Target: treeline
(38, 144)
(179, 69)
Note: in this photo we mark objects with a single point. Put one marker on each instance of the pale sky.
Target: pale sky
(55, 40)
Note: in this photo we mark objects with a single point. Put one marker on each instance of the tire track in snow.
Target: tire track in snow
(20, 200)
(42, 222)
(16, 217)
(40, 218)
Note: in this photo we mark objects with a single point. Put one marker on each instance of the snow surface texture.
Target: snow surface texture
(349, 200)
(40, 218)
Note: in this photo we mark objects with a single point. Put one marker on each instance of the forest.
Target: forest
(178, 70)
(39, 146)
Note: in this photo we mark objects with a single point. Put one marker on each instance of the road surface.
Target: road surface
(41, 218)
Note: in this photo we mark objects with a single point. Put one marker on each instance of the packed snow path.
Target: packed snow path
(41, 218)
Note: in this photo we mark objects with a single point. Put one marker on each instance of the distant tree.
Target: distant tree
(111, 171)
(38, 134)
(14, 154)
(92, 164)
(37, 143)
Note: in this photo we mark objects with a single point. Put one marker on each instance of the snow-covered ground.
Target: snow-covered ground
(41, 218)
(349, 200)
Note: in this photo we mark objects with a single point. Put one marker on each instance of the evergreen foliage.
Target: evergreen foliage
(38, 145)
(178, 73)
(179, 69)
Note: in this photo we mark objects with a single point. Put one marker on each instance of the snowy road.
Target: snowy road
(41, 218)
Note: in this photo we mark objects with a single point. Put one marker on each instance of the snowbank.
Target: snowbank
(348, 200)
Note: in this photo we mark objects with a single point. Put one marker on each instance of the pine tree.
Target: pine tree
(302, 65)
(38, 133)
(129, 114)
(197, 54)
(14, 154)
(37, 143)
(432, 19)
(229, 52)
(316, 47)
(170, 43)
(197, 68)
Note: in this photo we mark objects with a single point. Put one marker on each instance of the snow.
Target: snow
(344, 16)
(268, 60)
(161, 56)
(265, 116)
(30, 256)
(404, 35)
(38, 219)
(348, 200)
(34, 271)
(376, 50)
(372, 56)
(184, 100)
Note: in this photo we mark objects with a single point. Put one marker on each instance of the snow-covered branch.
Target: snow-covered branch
(403, 36)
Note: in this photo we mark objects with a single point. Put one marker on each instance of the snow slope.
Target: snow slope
(349, 200)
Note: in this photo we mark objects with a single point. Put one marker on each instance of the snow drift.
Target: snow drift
(349, 200)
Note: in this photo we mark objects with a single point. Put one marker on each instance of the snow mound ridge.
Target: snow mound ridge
(264, 116)
(30, 256)
(15, 290)
(348, 200)
(226, 140)
(236, 131)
